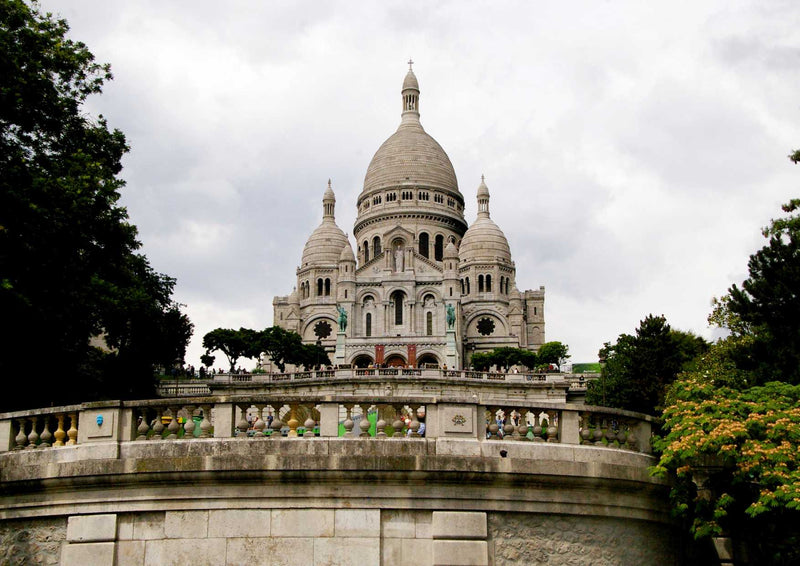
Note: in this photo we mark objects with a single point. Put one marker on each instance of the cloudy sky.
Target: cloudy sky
(633, 149)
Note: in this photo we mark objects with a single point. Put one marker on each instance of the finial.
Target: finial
(483, 180)
(410, 62)
(329, 183)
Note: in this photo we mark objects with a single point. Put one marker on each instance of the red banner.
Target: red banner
(379, 354)
(412, 355)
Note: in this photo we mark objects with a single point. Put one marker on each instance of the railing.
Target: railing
(290, 417)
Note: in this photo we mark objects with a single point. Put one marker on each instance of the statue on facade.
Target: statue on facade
(451, 316)
(399, 260)
(342, 318)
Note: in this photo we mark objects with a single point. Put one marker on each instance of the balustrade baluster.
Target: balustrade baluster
(509, 429)
(622, 434)
(158, 427)
(632, 441)
(173, 427)
(380, 422)
(47, 437)
(364, 424)
(522, 428)
(60, 434)
(310, 423)
(586, 432)
(348, 421)
(242, 425)
(21, 438)
(537, 426)
(188, 423)
(277, 424)
(597, 436)
(414, 425)
(143, 428)
(610, 433)
(205, 424)
(397, 423)
(259, 425)
(552, 426)
(293, 422)
(33, 436)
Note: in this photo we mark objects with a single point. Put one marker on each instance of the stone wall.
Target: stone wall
(32, 541)
(335, 537)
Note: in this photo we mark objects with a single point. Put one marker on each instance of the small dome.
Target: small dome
(484, 241)
(347, 253)
(324, 246)
(410, 82)
(450, 250)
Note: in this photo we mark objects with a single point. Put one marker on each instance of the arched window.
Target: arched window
(467, 285)
(368, 325)
(462, 286)
(429, 323)
(480, 283)
(438, 248)
(319, 287)
(366, 251)
(376, 246)
(424, 246)
(327, 287)
(506, 285)
(488, 283)
(397, 298)
(502, 281)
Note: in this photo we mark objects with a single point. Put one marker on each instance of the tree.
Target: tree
(69, 270)
(552, 353)
(282, 346)
(233, 343)
(740, 446)
(768, 302)
(313, 356)
(638, 368)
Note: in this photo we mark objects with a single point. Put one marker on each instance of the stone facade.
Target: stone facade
(32, 541)
(416, 259)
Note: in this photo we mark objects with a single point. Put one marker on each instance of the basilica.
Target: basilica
(423, 288)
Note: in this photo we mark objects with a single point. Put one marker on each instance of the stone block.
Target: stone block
(125, 526)
(458, 447)
(357, 523)
(223, 419)
(346, 551)
(180, 552)
(392, 551)
(423, 524)
(98, 425)
(302, 522)
(130, 553)
(88, 554)
(570, 427)
(329, 420)
(239, 523)
(92, 528)
(186, 524)
(398, 524)
(273, 551)
(458, 525)
(418, 552)
(460, 553)
(458, 420)
(6, 436)
(148, 526)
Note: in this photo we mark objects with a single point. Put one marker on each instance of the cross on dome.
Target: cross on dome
(410, 62)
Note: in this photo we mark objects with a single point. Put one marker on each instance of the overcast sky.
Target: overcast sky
(633, 150)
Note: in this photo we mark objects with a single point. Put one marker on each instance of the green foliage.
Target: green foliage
(638, 368)
(282, 346)
(68, 267)
(233, 343)
(767, 305)
(552, 353)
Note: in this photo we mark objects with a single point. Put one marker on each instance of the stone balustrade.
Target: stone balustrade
(284, 417)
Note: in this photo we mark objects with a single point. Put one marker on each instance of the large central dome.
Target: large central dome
(410, 156)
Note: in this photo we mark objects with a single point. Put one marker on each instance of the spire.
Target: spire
(483, 199)
(328, 202)
(410, 94)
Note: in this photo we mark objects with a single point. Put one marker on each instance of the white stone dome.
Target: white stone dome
(347, 253)
(484, 240)
(324, 246)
